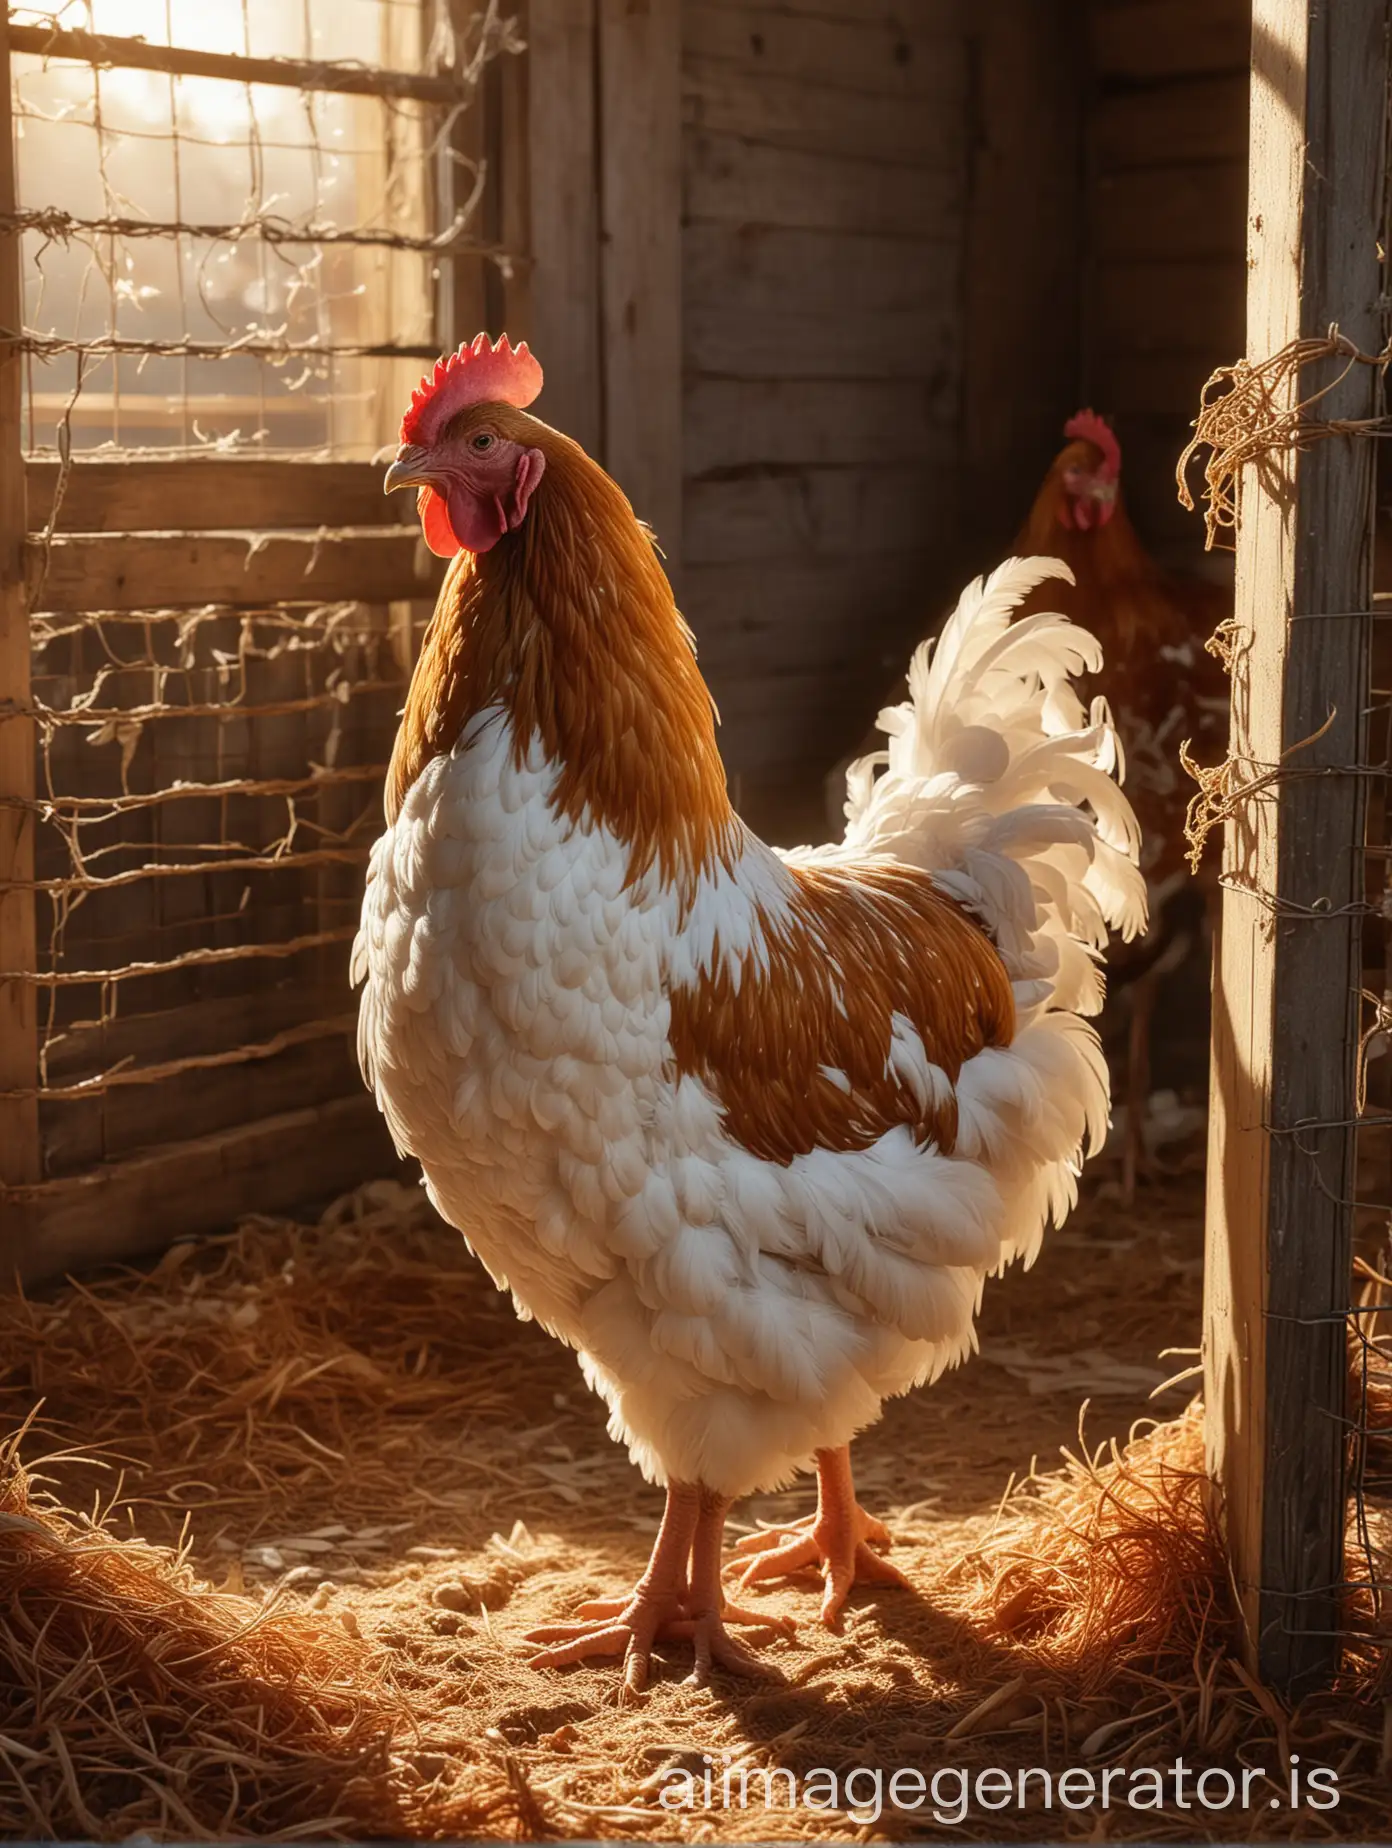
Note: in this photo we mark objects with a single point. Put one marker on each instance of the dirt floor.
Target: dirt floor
(345, 1430)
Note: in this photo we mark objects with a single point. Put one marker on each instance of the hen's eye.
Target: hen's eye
(482, 441)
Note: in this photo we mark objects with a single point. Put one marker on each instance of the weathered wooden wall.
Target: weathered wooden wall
(212, 1072)
(915, 235)
(878, 306)
(824, 157)
(1167, 201)
(819, 280)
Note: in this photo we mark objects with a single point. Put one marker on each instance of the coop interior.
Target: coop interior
(821, 283)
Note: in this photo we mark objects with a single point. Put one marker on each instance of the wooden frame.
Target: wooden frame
(583, 152)
(604, 203)
(187, 1112)
(563, 203)
(640, 250)
(178, 61)
(253, 530)
(19, 1116)
(1285, 1032)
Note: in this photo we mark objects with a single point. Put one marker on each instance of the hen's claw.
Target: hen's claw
(628, 1628)
(716, 1647)
(632, 1627)
(842, 1561)
(839, 1540)
(678, 1599)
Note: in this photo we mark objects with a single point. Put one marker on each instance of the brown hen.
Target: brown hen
(1164, 688)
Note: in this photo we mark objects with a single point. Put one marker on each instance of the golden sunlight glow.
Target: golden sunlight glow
(212, 107)
(117, 143)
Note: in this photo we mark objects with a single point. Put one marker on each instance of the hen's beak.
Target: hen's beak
(409, 469)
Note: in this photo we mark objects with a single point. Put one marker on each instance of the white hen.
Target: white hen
(747, 1130)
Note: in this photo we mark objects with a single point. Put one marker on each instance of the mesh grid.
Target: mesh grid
(216, 271)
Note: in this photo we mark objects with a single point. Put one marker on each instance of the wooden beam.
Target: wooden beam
(248, 495)
(1025, 113)
(122, 1209)
(563, 208)
(19, 1119)
(640, 257)
(146, 571)
(105, 51)
(737, 182)
(1149, 41)
(1280, 1222)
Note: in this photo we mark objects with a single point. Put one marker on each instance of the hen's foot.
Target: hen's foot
(678, 1599)
(632, 1627)
(839, 1541)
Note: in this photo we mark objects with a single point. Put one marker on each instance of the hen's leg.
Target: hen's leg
(708, 1606)
(839, 1539)
(678, 1596)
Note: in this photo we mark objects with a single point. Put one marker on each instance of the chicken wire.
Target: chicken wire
(231, 265)
(1370, 1311)
(220, 268)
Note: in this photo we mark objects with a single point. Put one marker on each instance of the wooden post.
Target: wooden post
(640, 257)
(563, 209)
(19, 1118)
(1287, 970)
(1026, 79)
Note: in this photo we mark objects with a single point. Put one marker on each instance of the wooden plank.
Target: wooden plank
(512, 284)
(742, 425)
(212, 1024)
(795, 722)
(1171, 307)
(106, 51)
(205, 496)
(787, 807)
(170, 570)
(1151, 445)
(1024, 292)
(204, 1101)
(1278, 1267)
(488, 144)
(461, 301)
(762, 106)
(640, 256)
(1192, 119)
(914, 16)
(764, 270)
(901, 343)
(1147, 40)
(563, 199)
(19, 1121)
(764, 302)
(730, 181)
(761, 622)
(1157, 385)
(1186, 213)
(122, 1210)
(880, 52)
(819, 513)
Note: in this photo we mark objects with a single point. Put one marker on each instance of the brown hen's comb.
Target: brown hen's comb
(479, 373)
(1088, 427)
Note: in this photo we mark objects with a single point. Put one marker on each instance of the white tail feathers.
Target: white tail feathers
(998, 782)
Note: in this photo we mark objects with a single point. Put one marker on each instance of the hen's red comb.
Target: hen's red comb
(1088, 427)
(479, 373)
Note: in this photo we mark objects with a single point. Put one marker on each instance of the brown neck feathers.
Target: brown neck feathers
(569, 625)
